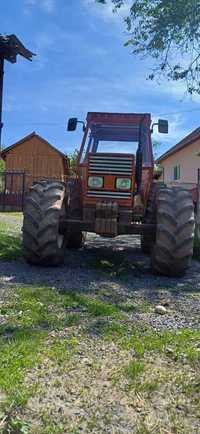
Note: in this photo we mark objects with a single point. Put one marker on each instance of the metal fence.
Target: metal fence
(12, 191)
(14, 186)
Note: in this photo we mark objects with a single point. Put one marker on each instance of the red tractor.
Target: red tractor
(113, 193)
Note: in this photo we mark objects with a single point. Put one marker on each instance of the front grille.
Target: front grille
(109, 194)
(111, 165)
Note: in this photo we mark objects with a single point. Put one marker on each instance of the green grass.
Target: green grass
(134, 370)
(30, 337)
(10, 243)
(161, 360)
(180, 345)
(96, 307)
(61, 350)
(50, 426)
(135, 308)
(44, 329)
(11, 214)
(29, 316)
(31, 313)
(16, 425)
(18, 354)
(39, 308)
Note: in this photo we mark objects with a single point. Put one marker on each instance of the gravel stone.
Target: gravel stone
(160, 309)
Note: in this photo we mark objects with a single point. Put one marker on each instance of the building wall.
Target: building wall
(189, 163)
(37, 159)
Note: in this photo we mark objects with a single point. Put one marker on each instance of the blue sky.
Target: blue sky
(81, 65)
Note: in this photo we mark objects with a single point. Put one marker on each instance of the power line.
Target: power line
(61, 124)
(180, 111)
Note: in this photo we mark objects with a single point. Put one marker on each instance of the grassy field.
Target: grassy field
(153, 377)
(10, 236)
(72, 362)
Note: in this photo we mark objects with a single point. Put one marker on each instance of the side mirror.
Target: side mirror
(72, 124)
(163, 126)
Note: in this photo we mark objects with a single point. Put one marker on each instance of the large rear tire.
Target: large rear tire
(173, 248)
(42, 242)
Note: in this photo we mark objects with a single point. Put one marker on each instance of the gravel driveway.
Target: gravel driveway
(119, 269)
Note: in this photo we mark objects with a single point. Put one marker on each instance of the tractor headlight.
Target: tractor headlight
(95, 181)
(123, 183)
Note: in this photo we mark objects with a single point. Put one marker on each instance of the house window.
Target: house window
(177, 172)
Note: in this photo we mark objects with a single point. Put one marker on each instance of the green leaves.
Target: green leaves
(73, 159)
(166, 31)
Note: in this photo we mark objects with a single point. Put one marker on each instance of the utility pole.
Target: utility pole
(10, 48)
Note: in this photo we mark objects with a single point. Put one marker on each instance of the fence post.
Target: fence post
(198, 207)
(4, 193)
(23, 189)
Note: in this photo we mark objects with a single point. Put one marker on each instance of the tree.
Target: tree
(73, 157)
(157, 168)
(2, 165)
(168, 31)
(156, 145)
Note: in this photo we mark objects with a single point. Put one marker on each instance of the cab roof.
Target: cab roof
(119, 118)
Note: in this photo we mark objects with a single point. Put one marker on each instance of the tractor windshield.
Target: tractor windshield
(117, 139)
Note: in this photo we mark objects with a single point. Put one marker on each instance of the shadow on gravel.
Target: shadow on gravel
(114, 265)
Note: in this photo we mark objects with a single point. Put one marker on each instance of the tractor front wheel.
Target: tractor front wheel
(43, 244)
(172, 250)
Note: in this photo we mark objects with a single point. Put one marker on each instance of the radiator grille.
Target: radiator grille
(109, 194)
(111, 165)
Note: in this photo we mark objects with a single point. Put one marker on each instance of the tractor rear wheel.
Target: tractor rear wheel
(173, 248)
(42, 242)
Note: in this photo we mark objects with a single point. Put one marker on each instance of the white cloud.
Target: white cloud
(177, 129)
(105, 12)
(47, 6)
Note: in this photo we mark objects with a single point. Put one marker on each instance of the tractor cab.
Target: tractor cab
(115, 133)
(114, 151)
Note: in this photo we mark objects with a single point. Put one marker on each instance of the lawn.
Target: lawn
(70, 363)
(76, 361)
(10, 236)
